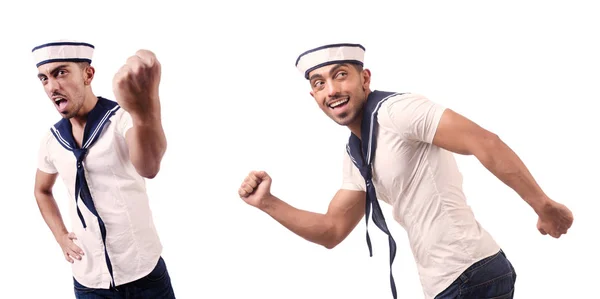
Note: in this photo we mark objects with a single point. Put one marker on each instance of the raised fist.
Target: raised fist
(136, 83)
(256, 188)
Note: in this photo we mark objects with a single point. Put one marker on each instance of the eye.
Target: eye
(61, 72)
(341, 74)
(318, 83)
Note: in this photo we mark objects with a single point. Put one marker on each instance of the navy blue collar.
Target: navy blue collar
(96, 120)
(362, 155)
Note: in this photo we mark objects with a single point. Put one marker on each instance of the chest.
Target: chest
(106, 159)
(397, 165)
(78, 135)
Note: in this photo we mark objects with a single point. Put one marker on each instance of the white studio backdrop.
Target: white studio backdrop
(233, 102)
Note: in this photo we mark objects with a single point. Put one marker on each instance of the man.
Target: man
(400, 151)
(103, 150)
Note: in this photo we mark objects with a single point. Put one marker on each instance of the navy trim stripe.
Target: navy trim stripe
(331, 62)
(63, 133)
(329, 46)
(63, 60)
(63, 44)
(100, 125)
(363, 152)
(60, 139)
(371, 133)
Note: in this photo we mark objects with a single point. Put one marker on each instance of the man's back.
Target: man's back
(121, 200)
(423, 185)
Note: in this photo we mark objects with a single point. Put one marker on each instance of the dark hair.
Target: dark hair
(358, 67)
(83, 64)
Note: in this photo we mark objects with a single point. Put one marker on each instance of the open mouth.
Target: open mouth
(338, 103)
(61, 103)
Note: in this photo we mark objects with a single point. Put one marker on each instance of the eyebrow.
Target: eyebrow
(53, 70)
(333, 70)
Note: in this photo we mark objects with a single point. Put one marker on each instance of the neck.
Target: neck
(355, 126)
(89, 102)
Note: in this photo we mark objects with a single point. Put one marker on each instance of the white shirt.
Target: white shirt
(423, 185)
(119, 195)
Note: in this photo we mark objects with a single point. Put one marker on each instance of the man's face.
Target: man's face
(65, 83)
(340, 91)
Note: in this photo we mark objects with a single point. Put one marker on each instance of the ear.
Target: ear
(89, 75)
(312, 94)
(366, 79)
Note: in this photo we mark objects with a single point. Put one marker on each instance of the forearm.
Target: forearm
(51, 214)
(148, 144)
(504, 163)
(314, 227)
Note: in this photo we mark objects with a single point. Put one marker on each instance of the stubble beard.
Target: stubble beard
(75, 110)
(346, 118)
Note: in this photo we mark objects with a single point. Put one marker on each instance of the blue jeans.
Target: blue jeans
(490, 278)
(157, 284)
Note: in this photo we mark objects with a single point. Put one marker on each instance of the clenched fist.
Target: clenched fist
(554, 219)
(136, 83)
(256, 188)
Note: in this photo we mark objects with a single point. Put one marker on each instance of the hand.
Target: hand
(554, 219)
(136, 83)
(70, 250)
(255, 188)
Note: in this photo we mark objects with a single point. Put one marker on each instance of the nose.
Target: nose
(51, 86)
(332, 89)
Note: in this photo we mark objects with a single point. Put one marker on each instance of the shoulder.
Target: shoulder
(410, 114)
(46, 138)
(399, 106)
(121, 114)
(47, 145)
(122, 120)
(403, 101)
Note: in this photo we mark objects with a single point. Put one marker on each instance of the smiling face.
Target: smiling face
(341, 91)
(65, 84)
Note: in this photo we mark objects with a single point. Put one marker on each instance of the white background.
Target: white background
(233, 102)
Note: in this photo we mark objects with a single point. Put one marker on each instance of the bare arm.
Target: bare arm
(47, 204)
(460, 135)
(345, 211)
(147, 144)
(136, 88)
(51, 214)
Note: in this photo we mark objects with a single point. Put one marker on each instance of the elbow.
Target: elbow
(332, 241)
(150, 175)
(331, 244)
(330, 234)
(486, 145)
(148, 169)
(40, 194)
(489, 149)
(148, 172)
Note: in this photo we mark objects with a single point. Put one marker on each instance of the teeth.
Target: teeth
(337, 103)
(58, 100)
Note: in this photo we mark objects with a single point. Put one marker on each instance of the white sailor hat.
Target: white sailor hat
(72, 51)
(330, 54)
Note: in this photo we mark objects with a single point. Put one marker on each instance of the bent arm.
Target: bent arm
(47, 204)
(147, 144)
(460, 135)
(345, 210)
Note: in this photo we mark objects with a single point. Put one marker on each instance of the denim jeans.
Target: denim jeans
(157, 284)
(490, 278)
